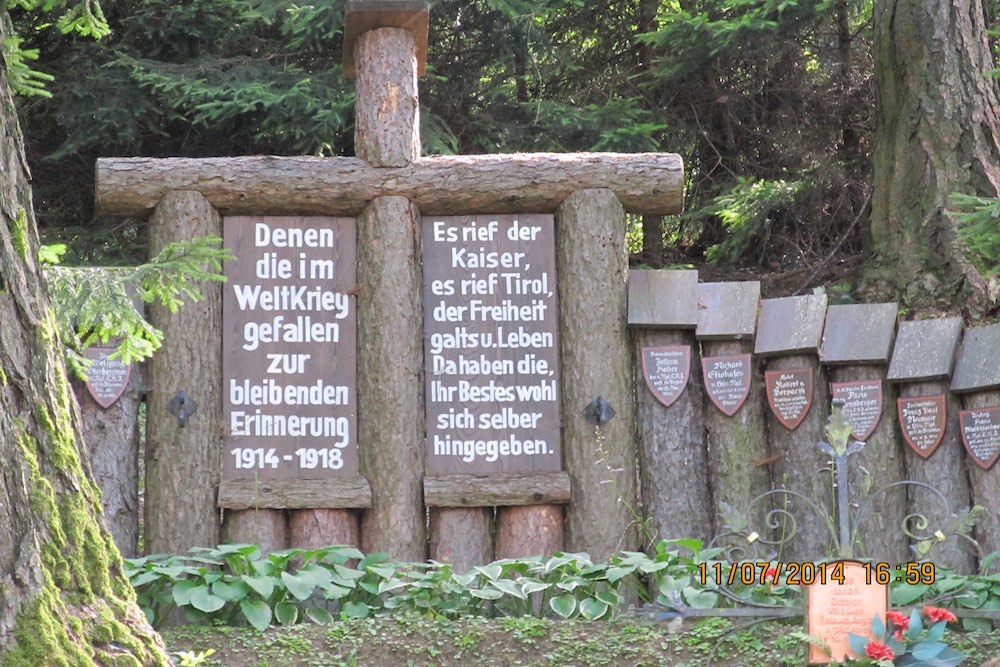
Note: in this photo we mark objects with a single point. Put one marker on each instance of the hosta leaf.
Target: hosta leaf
(319, 616)
(257, 612)
(593, 609)
(261, 585)
(564, 605)
(203, 600)
(297, 586)
(286, 613)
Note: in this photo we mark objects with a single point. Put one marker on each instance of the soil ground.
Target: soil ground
(523, 642)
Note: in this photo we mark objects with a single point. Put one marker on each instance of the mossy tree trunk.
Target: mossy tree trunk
(938, 129)
(64, 598)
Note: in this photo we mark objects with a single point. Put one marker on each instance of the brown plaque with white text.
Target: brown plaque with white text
(790, 394)
(727, 381)
(107, 378)
(491, 344)
(862, 405)
(289, 348)
(922, 420)
(981, 435)
(835, 610)
(666, 369)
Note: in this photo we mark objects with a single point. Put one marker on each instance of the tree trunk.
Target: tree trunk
(182, 458)
(937, 133)
(64, 598)
(112, 437)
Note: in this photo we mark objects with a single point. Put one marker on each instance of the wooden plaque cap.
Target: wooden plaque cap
(360, 16)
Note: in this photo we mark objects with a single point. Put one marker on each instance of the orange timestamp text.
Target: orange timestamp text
(748, 573)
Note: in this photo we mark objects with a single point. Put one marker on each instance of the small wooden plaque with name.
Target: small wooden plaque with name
(790, 394)
(862, 405)
(107, 377)
(981, 435)
(922, 420)
(727, 381)
(666, 369)
(835, 610)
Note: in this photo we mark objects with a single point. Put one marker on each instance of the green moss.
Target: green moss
(19, 233)
(3, 378)
(41, 638)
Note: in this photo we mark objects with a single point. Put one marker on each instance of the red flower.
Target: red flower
(935, 614)
(879, 651)
(899, 620)
(771, 573)
(898, 635)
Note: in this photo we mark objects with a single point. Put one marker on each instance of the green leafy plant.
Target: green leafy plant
(975, 220)
(903, 641)
(97, 305)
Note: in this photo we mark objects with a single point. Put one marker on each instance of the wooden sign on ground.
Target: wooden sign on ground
(922, 362)
(857, 344)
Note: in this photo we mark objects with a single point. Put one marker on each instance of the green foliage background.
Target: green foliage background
(761, 97)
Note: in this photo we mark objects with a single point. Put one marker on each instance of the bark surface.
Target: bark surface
(596, 361)
(946, 471)
(390, 378)
(938, 127)
(64, 598)
(182, 460)
(112, 437)
(649, 183)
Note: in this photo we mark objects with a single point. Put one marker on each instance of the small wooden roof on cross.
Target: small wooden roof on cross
(361, 16)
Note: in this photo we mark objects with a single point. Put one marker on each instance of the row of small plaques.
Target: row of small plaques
(922, 419)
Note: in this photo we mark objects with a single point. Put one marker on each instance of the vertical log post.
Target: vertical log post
(673, 463)
(450, 529)
(922, 362)
(385, 58)
(977, 377)
(857, 344)
(182, 461)
(792, 327)
(267, 528)
(595, 356)
(112, 437)
(734, 414)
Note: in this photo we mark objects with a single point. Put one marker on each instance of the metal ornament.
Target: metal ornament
(599, 411)
(182, 406)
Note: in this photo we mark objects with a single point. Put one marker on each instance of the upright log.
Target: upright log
(878, 466)
(673, 461)
(738, 452)
(596, 361)
(922, 362)
(983, 483)
(112, 437)
(386, 113)
(461, 536)
(801, 467)
(182, 459)
(267, 528)
(945, 470)
(315, 528)
(530, 530)
(390, 378)
(977, 377)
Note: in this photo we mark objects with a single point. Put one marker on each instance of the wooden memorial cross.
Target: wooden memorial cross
(977, 379)
(927, 413)
(857, 343)
(394, 193)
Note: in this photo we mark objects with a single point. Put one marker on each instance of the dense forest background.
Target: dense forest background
(771, 103)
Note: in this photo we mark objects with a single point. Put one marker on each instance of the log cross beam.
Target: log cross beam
(646, 183)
